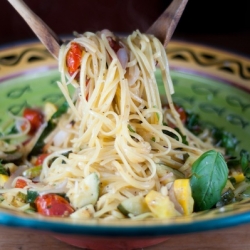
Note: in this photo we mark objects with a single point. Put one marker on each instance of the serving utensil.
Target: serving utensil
(45, 34)
(162, 28)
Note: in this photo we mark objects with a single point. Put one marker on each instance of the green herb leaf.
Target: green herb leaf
(184, 138)
(209, 177)
(61, 110)
(37, 149)
(32, 172)
(31, 196)
(225, 139)
(3, 170)
(130, 128)
(244, 160)
(226, 198)
(193, 123)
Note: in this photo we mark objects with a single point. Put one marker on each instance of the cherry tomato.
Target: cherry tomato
(40, 159)
(20, 183)
(53, 205)
(114, 44)
(181, 111)
(73, 58)
(35, 117)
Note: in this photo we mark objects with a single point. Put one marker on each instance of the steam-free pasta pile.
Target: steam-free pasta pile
(113, 150)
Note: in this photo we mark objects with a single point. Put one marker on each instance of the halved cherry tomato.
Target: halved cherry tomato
(40, 159)
(181, 111)
(35, 117)
(114, 44)
(73, 58)
(53, 205)
(20, 183)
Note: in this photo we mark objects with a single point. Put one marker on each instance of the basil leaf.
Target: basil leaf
(209, 177)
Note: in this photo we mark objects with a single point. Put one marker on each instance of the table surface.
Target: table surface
(223, 239)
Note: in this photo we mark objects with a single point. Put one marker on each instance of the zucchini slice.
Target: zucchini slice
(134, 205)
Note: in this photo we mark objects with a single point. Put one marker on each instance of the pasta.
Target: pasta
(117, 152)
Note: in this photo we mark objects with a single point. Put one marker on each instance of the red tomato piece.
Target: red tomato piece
(40, 159)
(35, 117)
(114, 44)
(181, 111)
(20, 183)
(53, 205)
(73, 58)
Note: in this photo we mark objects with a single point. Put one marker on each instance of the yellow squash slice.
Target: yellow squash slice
(183, 194)
(161, 206)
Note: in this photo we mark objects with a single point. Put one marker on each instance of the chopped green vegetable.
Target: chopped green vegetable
(61, 110)
(225, 139)
(37, 149)
(21, 197)
(135, 205)
(233, 162)
(209, 177)
(32, 172)
(226, 198)
(3, 170)
(244, 163)
(246, 193)
(184, 138)
(7, 147)
(11, 131)
(130, 128)
(31, 196)
(194, 124)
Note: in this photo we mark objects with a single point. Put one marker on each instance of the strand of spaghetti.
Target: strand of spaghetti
(149, 55)
(156, 132)
(169, 129)
(145, 63)
(108, 123)
(83, 76)
(87, 43)
(22, 133)
(134, 50)
(108, 207)
(198, 141)
(120, 146)
(68, 99)
(123, 86)
(46, 167)
(132, 182)
(168, 84)
(92, 159)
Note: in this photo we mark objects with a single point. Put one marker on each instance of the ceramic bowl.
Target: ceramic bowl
(213, 83)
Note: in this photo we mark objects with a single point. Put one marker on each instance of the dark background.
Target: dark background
(220, 23)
